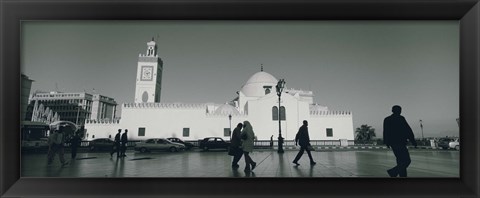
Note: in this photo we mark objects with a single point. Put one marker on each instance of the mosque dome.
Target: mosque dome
(255, 85)
(226, 109)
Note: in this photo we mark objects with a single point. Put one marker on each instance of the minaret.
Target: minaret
(149, 75)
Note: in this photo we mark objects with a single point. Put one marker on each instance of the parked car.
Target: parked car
(100, 144)
(158, 144)
(213, 143)
(188, 145)
(455, 144)
(444, 142)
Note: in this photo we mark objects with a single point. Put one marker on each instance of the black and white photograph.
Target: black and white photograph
(259, 98)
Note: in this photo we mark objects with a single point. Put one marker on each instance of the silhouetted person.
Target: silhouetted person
(396, 131)
(247, 145)
(51, 143)
(116, 144)
(74, 144)
(303, 140)
(236, 142)
(56, 146)
(271, 141)
(124, 141)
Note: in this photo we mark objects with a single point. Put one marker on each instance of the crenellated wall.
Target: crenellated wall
(102, 129)
(164, 105)
(341, 122)
(334, 113)
(162, 120)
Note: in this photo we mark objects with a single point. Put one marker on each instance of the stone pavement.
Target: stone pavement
(195, 163)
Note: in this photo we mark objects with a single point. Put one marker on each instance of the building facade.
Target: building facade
(26, 84)
(256, 102)
(75, 107)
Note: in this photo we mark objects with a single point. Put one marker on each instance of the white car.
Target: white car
(158, 144)
(455, 144)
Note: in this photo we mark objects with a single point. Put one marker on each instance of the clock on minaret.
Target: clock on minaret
(147, 73)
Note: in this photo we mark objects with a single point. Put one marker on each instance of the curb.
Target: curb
(357, 148)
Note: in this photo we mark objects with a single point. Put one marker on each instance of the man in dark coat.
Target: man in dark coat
(396, 132)
(124, 141)
(74, 143)
(116, 144)
(235, 144)
(303, 139)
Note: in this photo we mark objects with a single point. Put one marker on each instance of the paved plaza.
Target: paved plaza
(196, 163)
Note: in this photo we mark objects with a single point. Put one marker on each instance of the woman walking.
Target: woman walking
(247, 145)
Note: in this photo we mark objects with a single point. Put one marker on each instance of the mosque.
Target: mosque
(256, 101)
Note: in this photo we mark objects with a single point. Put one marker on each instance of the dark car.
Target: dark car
(100, 144)
(213, 143)
(188, 145)
(444, 142)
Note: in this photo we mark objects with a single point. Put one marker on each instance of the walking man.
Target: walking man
(396, 131)
(303, 139)
(236, 142)
(56, 146)
(74, 143)
(124, 141)
(116, 145)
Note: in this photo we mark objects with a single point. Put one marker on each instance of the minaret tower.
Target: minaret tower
(149, 75)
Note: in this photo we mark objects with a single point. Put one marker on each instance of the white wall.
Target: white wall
(163, 122)
(342, 126)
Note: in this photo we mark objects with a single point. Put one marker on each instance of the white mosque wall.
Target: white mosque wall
(102, 130)
(169, 121)
(340, 122)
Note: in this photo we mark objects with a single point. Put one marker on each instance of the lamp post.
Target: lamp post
(78, 112)
(230, 118)
(421, 127)
(458, 122)
(280, 85)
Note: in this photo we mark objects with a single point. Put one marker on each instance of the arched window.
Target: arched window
(145, 96)
(274, 113)
(267, 89)
(282, 113)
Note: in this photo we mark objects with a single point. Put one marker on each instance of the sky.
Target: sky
(364, 67)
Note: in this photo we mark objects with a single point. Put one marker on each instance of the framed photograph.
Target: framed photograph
(202, 67)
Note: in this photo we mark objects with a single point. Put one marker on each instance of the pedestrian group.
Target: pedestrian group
(396, 133)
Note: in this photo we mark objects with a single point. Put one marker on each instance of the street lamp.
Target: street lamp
(230, 118)
(280, 85)
(421, 127)
(78, 112)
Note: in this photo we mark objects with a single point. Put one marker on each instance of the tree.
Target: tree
(364, 134)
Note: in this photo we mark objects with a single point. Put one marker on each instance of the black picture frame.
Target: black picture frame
(15, 11)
